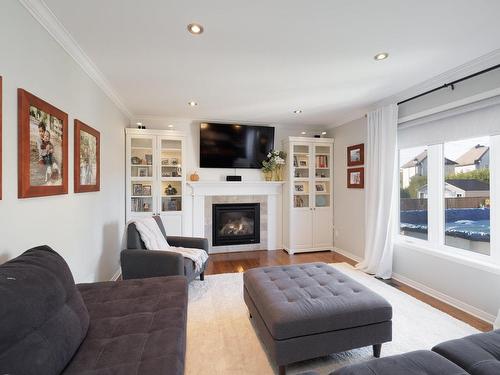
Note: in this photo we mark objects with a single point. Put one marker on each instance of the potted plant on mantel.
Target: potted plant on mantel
(273, 166)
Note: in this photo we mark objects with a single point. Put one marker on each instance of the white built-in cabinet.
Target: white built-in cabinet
(308, 195)
(156, 176)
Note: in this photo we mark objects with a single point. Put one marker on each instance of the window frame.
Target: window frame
(435, 243)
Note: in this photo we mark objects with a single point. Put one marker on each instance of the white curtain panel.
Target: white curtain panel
(380, 190)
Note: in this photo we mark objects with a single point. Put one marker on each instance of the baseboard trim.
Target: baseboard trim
(116, 275)
(471, 310)
(347, 254)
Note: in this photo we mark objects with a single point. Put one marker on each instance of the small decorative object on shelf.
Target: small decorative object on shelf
(149, 159)
(170, 190)
(135, 160)
(194, 176)
(165, 162)
(273, 166)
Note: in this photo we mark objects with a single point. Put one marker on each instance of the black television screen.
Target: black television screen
(234, 146)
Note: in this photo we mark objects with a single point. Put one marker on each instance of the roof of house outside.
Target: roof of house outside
(469, 185)
(421, 157)
(473, 155)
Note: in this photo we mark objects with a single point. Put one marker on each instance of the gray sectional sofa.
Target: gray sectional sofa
(477, 354)
(49, 325)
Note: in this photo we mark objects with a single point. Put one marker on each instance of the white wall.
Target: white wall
(86, 229)
(349, 204)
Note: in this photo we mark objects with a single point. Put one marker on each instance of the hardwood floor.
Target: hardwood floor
(240, 262)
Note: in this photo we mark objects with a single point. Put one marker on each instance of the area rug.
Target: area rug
(221, 338)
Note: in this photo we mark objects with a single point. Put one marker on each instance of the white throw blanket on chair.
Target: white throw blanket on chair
(154, 239)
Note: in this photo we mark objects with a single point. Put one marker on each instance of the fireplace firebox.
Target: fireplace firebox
(235, 224)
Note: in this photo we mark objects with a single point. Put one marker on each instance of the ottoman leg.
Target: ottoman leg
(282, 370)
(202, 276)
(376, 350)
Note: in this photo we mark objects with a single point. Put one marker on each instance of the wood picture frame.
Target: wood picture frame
(356, 178)
(1, 116)
(42, 164)
(87, 158)
(356, 155)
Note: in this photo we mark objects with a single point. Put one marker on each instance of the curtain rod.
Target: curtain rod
(451, 84)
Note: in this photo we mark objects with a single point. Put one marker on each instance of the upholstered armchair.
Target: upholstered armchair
(138, 263)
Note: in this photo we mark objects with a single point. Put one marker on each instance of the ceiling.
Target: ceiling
(260, 60)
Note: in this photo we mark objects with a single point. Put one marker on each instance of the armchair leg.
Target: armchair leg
(202, 276)
(376, 350)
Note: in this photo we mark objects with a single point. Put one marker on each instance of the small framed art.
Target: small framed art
(42, 147)
(356, 155)
(87, 158)
(356, 178)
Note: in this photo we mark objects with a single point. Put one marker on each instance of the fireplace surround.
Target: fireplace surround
(235, 224)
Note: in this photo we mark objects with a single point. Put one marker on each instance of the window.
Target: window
(447, 191)
(413, 164)
(467, 195)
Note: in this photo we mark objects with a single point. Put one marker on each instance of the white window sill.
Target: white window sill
(427, 248)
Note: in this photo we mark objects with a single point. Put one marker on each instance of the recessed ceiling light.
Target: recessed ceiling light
(303, 133)
(381, 56)
(323, 133)
(195, 28)
(297, 111)
(170, 126)
(192, 104)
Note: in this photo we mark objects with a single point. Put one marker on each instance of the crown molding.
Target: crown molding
(41, 13)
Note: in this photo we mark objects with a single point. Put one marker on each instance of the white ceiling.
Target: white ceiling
(259, 60)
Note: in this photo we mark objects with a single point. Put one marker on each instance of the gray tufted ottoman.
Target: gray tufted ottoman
(309, 310)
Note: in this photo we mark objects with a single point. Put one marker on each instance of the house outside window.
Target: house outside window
(467, 195)
(413, 194)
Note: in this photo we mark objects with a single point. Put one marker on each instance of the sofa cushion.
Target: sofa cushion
(421, 362)
(306, 299)
(136, 327)
(43, 318)
(478, 354)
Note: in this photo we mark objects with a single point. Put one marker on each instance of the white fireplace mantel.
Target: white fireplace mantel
(271, 189)
(236, 188)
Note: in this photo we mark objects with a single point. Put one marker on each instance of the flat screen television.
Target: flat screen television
(234, 145)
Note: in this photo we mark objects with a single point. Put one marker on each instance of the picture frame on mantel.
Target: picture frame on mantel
(42, 147)
(1, 117)
(87, 158)
(356, 178)
(356, 155)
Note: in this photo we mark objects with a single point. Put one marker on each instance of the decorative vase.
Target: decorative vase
(268, 175)
(278, 173)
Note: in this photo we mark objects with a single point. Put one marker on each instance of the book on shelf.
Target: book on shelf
(321, 161)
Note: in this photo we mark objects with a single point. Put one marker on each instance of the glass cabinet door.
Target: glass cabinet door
(322, 179)
(141, 174)
(171, 175)
(300, 178)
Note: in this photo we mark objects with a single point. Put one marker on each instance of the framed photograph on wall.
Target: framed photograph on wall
(356, 178)
(42, 147)
(356, 155)
(87, 158)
